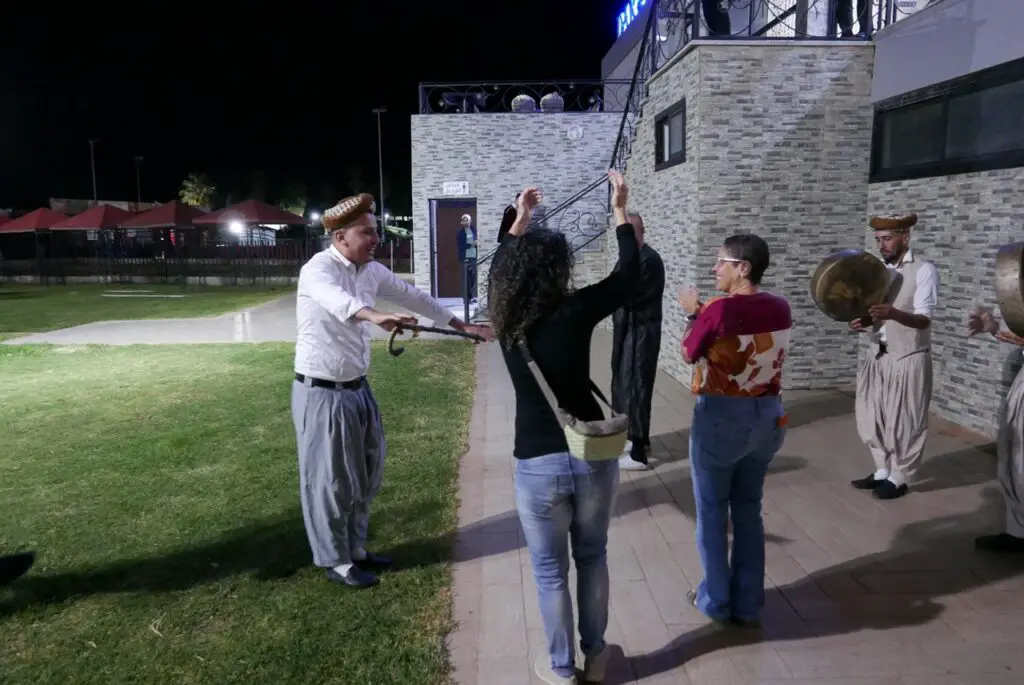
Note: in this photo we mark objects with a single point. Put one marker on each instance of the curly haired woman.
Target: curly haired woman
(558, 496)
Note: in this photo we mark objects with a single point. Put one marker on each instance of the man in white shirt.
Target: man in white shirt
(340, 437)
(894, 385)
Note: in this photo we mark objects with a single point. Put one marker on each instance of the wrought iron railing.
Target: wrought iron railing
(523, 97)
(670, 25)
(682, 21)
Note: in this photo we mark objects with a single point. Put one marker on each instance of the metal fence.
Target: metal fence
(522, 96)
(55, 257)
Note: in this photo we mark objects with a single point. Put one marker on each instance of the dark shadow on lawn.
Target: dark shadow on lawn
(268, 550)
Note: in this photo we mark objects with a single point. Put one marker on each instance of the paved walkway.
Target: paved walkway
(859, 592)
(267, 322)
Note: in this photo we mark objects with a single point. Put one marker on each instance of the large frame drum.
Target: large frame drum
(846, 284)
(1009, 286)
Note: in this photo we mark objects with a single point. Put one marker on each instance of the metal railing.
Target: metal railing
(522, 97)
(49, 257)
(669, 27)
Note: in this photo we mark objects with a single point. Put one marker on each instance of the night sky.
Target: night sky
(258, 100)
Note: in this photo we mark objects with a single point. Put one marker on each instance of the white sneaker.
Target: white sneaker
(594, 666)
(542, 667)
(627, 463)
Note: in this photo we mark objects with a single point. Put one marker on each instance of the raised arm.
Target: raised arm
(619, 287)
(393, 288)
(322, 284)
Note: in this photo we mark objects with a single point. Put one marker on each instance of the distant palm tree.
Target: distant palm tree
(198, 190)
(295, 198)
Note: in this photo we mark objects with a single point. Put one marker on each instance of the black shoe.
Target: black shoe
(14, 566)
(889, 490)
(354, 577)
(640, 455)
(1003, 542)
(374, 562)
(869, 483)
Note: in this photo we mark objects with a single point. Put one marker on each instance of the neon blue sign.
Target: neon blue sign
(629, 13)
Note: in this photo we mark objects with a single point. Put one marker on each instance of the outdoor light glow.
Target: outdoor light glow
(314, 217)
(236, 227)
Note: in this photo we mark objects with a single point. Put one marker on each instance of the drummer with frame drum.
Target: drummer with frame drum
(894, 385)
(1009, 446)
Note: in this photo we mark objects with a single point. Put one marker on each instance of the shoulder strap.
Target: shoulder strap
(549, 395)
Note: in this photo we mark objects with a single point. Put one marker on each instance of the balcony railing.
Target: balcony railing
(523, 97)
(677, 22)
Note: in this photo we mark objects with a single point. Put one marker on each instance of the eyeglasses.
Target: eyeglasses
(731, 260)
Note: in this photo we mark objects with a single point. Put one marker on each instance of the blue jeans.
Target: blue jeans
(732, 442)
(561, 498)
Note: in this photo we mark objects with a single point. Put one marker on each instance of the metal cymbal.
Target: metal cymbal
(846, 284)
(1009, 286)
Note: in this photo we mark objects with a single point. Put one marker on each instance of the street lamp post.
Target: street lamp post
(138, 181)
(92, 164)
(380, 165)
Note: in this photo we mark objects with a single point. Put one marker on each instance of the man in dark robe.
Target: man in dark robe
(636, 342)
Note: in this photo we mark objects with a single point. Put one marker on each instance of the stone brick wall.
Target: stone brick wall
(668, 199)
(499, 154)
(778, 143)
(963, 221)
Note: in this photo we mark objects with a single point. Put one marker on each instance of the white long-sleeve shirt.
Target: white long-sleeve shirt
(331, 343)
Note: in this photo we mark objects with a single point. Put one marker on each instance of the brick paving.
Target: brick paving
(860, 592)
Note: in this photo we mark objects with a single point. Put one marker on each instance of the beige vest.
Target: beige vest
(902, 340)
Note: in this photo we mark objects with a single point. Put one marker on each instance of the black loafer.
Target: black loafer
(374, 562)
(354, 577)
(889, 490)
(869, 483)
(14, 566)
(1003, 542)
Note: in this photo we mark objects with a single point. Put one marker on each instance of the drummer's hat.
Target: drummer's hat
(893, 222)
(347, 211)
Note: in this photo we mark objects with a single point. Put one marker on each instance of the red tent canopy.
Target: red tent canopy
(4, 220)
(250, 212)
(33, 221)
(98, 218)
(174, 214)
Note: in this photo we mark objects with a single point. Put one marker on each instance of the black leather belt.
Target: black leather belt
(333, 385)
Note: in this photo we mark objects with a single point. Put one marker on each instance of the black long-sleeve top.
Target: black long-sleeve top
(560, 344)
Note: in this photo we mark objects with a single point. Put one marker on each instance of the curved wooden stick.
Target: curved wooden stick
(416, 328)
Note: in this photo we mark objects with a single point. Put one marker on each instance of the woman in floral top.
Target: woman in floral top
(737, 344)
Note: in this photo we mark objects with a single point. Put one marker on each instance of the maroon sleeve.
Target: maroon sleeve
(704, 332)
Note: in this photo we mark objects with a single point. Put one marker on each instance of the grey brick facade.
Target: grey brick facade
(963, 221)
(778, 143)
(499, 154)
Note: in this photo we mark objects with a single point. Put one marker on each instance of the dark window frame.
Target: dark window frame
(664, 116)
(944, 93)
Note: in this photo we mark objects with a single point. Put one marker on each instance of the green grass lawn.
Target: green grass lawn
(159, 486)
(34, 308)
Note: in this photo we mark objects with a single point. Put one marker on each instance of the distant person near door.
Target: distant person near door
(466, 241)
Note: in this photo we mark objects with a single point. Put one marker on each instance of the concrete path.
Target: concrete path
(859, 592)
(268, 322)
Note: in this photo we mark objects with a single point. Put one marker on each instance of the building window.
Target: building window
(670, 136)
(973, 123)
